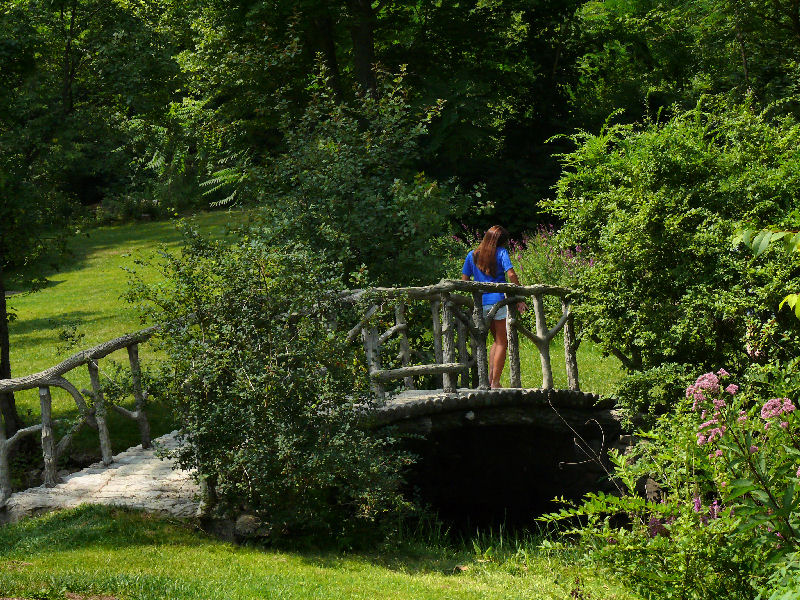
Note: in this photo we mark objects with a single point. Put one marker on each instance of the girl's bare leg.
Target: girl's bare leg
(497, 354)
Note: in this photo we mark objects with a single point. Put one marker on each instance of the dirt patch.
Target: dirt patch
(73, 596)
(14, 565)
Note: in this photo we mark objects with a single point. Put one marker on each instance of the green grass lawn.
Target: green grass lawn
(93, 551)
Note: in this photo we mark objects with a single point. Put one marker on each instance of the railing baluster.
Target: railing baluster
(570, 348)
(405, 350)
(481, 357)
(5, 470)
(48, 441)
(372, 351)
(513, 346)
(100, 412)
(449, 380)
(543, 343)
(138, 394)
(437, 337)
(463, 356)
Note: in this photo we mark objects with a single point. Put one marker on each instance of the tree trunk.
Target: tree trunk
(68, 67)
(8, 407)
(362, 27)
(323, 43)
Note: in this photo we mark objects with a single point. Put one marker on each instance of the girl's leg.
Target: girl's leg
(497, 355)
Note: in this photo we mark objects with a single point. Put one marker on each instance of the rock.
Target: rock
(247, 526)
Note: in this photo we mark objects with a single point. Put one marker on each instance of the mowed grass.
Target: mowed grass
(94, 551)
(85, 296)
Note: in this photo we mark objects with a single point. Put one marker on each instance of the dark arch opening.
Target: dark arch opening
(485, 476)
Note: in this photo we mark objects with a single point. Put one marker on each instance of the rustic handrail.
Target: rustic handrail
(94, 416)
(459, 323)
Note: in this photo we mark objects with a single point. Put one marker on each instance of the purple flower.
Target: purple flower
(772, 408)
(798, 472)
(753, 449)
(656, 527)
(713, 510)
(697, 504)
(732, 389)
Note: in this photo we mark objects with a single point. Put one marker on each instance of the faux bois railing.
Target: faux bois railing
(94, 416)
(460, 332)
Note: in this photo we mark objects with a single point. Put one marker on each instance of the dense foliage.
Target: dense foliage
(657, 207)
(267, 395)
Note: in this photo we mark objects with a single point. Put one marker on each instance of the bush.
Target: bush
(347, 185)
(656, 206)
(728, 523)
(268, 397)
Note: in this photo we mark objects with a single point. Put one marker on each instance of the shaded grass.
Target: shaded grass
(97, 550)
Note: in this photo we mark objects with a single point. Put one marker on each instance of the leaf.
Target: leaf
(761, 242)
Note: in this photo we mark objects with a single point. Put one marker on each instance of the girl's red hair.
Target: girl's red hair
(485, 255)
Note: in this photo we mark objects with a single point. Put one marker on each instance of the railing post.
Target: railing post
(513, 346)
(138, 394)
(49, 477)
(544, 343)
(405, 350)
(463, 356)
(481, 357)
(437, 336)
(5, 470)
(449, 380)
(570, 347)
(100, 412)
(372, 352)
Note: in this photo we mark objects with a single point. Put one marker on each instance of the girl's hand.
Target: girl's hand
(521, 307)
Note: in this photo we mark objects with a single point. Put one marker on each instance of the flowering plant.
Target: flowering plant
(753, 454)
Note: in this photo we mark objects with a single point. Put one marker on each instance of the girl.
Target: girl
(490, 262)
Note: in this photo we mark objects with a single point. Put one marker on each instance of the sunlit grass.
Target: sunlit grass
(102, 551)
(86, 295)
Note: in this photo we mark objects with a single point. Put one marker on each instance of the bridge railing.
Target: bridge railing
(93, 415)
(460, 332)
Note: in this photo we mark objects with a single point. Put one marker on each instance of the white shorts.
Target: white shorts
(501, 314)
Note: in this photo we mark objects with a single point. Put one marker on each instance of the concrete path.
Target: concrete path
(137, 479)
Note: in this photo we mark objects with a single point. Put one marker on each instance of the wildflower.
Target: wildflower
(742, 416)
(772, 408)
(713, 421)
(701, 439)
(766, 426)
(732, 389)
(698, 503)
(718, 453)
(713, 510)
(798, 472)
(788, 406)
(784, 424)
(703, 414)
(722, 373)
(753, 449)
(719, 403)
(656, 527)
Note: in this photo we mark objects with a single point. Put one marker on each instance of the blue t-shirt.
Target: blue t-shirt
(503, 264)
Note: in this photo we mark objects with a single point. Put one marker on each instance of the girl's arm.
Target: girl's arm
(464, 277)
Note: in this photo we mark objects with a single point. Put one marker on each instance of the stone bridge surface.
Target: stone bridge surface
(556, 410)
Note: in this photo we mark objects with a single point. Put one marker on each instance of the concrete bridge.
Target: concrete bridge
(479, 448)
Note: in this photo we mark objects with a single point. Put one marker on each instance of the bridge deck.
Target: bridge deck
(423, 409)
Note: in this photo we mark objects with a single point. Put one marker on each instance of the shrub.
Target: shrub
(347, 185)
(268, 397)
(656, 206)
(728, 524)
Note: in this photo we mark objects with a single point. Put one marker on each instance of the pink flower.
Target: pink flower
(698, 504)
(798, 472)
(784, 424)
(772, 408)
(766, 426)
(722, 373)
(718, 453)
(753, 449)
(732, 389)
(719, 403)
(708, 423)
(742, 416)
(701, 439)
(788, 406)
